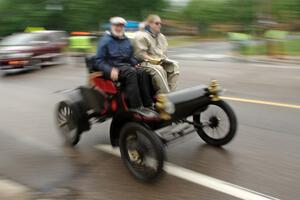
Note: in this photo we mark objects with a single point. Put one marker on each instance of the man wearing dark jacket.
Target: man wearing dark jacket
(115, 59)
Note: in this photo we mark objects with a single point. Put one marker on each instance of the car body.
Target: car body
(141, 137)
(23, 51)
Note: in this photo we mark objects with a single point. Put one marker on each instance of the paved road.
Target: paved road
(264, 157)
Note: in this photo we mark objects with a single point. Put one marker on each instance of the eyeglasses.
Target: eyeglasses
(119, 25)
(158, 23)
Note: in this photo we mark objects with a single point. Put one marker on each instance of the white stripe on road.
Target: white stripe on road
(202, 179)
(10, 190)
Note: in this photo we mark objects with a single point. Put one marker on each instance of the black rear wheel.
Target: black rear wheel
(142, 152)
(67, 118)
(217, 124)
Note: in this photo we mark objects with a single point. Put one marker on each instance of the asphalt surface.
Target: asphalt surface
(264, 156)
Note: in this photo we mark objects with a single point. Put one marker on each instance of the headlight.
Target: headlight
(169, 107)
(214, 90)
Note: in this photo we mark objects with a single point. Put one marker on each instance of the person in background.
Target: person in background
(150, 48)
(115, 59)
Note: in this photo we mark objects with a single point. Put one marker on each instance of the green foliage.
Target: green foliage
(288, 47)
(241, 12)
(205, 12)
(132, 9)
(286, 10)
(76, 15)
(85, 15)
(293, 47)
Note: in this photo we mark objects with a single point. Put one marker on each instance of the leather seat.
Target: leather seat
(187, 94)
(96, 77)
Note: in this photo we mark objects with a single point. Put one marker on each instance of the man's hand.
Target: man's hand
(114, 74)
(155, 61)
(137, 65)
(152, 60)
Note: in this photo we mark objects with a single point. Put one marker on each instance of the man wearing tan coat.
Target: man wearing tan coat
(150, 48)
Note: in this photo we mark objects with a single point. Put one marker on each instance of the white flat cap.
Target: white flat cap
(117, 20)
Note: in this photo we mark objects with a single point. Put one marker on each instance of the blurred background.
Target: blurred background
(256, 27)
(252, 47)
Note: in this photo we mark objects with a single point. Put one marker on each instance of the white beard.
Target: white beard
(120, 34)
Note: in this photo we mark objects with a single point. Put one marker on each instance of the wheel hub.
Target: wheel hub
(213, 122)
(136, 156)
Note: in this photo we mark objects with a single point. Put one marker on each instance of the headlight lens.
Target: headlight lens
(169, 107)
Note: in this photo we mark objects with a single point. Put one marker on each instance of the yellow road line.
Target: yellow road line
(270, 103)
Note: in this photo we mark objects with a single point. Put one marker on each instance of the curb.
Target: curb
(293, 62)
(253, 59)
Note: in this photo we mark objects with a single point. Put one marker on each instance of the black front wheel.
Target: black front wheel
(217, 124)
(142, 152)
(67, 118)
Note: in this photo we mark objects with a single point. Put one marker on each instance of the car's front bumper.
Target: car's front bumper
(8, 69)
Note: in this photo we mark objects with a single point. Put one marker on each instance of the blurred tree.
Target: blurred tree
(16, 15)
(132, 9)
(285, 11)
(89, 13)
(10, 18)
(242, 12)
(207, 12)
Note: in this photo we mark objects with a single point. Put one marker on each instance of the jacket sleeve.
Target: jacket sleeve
(101, 55)
(140, 47)
(132, 60)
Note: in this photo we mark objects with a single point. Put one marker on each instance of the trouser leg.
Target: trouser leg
(145, 87)
(128, 77)
(172, 80)
(159, 78)
(172, 75)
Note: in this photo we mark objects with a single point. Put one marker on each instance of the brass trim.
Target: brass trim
(213, 90)
(161, 103)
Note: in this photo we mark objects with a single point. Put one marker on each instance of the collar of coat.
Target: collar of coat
(116, 37)
(148, 30)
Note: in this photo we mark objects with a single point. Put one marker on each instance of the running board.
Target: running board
(173, 132)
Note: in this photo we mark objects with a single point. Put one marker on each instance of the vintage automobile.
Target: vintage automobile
(141, 139)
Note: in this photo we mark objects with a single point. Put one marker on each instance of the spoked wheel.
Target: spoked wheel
(217, 124)
(142, 152)
(68, 123)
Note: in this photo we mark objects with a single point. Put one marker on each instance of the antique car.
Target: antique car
(141, 139)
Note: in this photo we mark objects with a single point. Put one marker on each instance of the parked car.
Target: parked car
(23, 51)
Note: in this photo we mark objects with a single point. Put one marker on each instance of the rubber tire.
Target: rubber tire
(232, 129)
(157, 146)
(75, 109)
